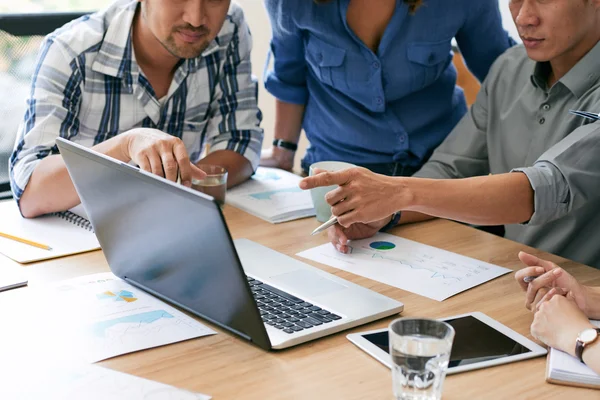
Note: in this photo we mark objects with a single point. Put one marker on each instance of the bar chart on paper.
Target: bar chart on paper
(408, 265)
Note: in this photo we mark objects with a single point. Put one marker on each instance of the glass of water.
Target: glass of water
(420, 350)
(214, 183)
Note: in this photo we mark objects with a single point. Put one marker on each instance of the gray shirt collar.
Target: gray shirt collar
(578, 80)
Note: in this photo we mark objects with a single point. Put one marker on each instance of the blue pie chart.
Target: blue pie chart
(382, 245)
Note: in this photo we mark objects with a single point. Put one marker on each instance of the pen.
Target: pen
(529, 279)
(29, 242)
(332, 221)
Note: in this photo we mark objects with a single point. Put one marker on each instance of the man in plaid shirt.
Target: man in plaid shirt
(148, 82)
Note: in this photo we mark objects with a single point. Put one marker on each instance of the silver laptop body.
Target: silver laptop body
(174, 243)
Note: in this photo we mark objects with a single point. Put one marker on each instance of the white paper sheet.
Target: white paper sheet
(30, 380)
(408, 265)
(92, 318)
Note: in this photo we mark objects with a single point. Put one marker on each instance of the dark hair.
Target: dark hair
(412, 4)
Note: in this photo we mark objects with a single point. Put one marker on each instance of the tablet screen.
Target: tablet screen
(475, 341)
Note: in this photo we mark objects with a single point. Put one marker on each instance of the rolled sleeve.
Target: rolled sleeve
(52, 111)
(550, 190)
(286, 79)
(235, 122)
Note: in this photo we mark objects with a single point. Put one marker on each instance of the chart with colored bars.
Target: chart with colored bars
(122, 295)
(408, 265)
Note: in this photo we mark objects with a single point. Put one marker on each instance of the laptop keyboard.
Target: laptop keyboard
(286, 312)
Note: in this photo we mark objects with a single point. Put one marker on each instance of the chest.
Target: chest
(368, 19)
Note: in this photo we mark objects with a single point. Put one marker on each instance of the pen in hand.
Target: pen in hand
(529, 279)
(332, 221)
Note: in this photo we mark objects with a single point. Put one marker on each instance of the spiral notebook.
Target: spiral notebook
(66, 233)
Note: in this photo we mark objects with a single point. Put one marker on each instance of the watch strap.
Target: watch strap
(286, 145)
(393, 222)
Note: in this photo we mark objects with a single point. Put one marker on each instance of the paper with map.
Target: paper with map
(100, 316)
(32, 380)
(407, 265)
(273, 195)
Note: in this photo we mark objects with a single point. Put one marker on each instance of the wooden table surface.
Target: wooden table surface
(227, 367)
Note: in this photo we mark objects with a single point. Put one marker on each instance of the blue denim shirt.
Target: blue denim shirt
(395, 105)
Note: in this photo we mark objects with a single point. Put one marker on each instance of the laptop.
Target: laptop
(173, 242)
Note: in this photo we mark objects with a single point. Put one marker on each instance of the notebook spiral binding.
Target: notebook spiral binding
(75, 220)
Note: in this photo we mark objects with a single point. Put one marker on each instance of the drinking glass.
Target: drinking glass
(214, 183)
(420, 350)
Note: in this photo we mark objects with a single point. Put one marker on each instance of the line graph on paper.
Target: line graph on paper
(408, 265)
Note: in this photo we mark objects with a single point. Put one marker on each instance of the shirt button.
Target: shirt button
(545, 107)
(542, 120)
(320, 57)
(379, 100)
(402, 138)
(375, 65)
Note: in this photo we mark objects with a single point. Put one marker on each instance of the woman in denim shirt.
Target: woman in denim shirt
(372, 81)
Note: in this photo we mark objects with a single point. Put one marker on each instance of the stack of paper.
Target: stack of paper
(273, 195)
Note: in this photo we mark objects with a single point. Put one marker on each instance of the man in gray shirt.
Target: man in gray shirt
(517, 158)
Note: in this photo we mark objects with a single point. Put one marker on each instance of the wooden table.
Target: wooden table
(227, 367)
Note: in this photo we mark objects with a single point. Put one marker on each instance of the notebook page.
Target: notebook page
(63, 237)
(560, 361)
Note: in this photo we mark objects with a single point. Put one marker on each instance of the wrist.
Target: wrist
(591, 297)
(404, 190)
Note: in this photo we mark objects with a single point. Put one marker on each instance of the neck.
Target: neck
(149, 51)
(566, 61)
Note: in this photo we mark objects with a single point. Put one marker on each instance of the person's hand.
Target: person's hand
(160, 153)
(277, 157)
(558, 322)
(339, 236)
(548, 275)
(362, 196)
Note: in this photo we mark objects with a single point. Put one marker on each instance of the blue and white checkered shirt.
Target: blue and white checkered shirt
(87, 87)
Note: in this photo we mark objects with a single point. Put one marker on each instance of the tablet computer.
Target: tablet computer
(480, 342)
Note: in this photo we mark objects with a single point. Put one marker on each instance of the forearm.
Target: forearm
(591, 356)
(486, 200)
(410, 217)
(288, 121)
(239, 169)
(592, 301)
(50, 188)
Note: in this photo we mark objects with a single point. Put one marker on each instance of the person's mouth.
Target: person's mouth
(531, 42)
(191, 36)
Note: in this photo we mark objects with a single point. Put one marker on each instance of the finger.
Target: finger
(335, 196)
(348, 219)
(338, 238)
(551, 293)
(545, 280)
(533, 261)
(155, 164)
(536, 300)
(325, 179)
(183, 161)
(169, 166)
(144, 163)
(528, 271)
(341, 208)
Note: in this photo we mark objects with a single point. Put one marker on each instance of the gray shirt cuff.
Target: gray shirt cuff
(551, 192)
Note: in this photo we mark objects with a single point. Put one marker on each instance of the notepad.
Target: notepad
(273, 195)
(66, 233)
(565, 369)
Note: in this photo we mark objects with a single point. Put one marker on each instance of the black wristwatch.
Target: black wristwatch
(285, 145)
(393, 222)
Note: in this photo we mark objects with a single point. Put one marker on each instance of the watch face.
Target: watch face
(588, 335)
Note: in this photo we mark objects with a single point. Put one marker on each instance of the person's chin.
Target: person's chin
(539, 55)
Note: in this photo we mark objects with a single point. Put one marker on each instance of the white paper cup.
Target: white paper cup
(322, 209)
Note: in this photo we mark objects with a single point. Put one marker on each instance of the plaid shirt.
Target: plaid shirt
(87, 88)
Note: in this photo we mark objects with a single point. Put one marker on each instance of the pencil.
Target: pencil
(29, 242)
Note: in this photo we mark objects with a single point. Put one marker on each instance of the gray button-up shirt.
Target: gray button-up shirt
(519, 124)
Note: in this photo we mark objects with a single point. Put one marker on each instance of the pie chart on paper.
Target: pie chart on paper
(382, 245)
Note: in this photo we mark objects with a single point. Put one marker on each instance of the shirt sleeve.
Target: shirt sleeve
(566, 177)
(52, 109)
(286, 79)
(235, 116)
(464, 152)
(482, 38)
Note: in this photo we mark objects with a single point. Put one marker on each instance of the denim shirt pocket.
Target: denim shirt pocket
(428, 61)
(327, 62)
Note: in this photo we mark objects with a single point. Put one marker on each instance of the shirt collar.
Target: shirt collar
(115, 54)
(578, 79)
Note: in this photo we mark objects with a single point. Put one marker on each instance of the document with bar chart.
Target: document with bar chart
(100, 316)
(273, 195)
(407, 265)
